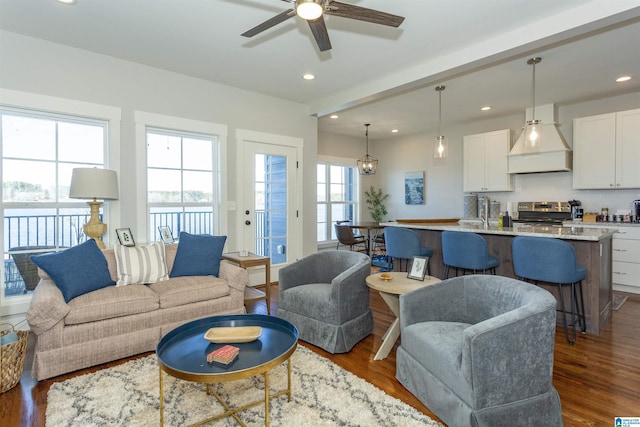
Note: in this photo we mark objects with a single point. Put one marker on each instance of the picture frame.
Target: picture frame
(414, 188)
(418, 268)
(165, 234)
(125, 237)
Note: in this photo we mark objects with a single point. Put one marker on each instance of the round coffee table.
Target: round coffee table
(390, 291)
(183, 351)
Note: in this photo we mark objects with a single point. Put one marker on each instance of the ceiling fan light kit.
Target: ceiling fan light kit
(313, 12)
(533, 127)
(367, 165)
(440, 148)
(309, 9)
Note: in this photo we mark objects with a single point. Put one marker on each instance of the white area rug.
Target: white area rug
(323, 395)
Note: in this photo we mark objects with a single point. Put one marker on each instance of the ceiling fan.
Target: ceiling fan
(313, 10)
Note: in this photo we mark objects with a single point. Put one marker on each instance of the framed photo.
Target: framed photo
(414, 188)
(125, 237)
(418, 268)
(165, 234)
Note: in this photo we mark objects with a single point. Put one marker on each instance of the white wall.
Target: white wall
(443, 178)
(37, 66)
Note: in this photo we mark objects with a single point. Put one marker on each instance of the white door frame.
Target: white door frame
(243, 137)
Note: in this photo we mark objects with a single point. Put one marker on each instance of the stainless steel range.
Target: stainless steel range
(543, 213)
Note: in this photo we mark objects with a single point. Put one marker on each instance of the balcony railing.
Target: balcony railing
(66, 231)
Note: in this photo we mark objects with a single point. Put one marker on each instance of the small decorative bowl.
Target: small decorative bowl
(233, 334)
(385, 276)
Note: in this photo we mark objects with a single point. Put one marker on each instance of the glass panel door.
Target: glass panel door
(268, 209)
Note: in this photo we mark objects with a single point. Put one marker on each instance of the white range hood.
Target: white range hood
(553, 155)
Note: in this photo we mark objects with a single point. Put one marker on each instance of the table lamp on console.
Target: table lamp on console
(94, 183)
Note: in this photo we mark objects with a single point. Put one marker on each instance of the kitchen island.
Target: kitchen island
(593, 251)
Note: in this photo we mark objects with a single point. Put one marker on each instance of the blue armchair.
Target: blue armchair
(326, 297)
(477, 350)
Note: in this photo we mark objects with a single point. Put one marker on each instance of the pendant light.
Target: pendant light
(367, 165)
(533, 127)
(440, 148)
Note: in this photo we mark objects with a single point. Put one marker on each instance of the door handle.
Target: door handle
(247, 212)
(247, 222)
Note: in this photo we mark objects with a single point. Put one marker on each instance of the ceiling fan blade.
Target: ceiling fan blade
(270, 23)
(363, 14)
(319, 30)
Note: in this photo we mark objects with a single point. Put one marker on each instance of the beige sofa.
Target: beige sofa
(116, 322)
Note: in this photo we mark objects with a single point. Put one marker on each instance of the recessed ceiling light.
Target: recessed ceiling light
(394, 130)
(623, 79)
(485, 108)
(308, 76)
(334, 116)
(67, 1)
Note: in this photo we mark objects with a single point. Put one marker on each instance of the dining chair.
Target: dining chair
(379, 243)
(347, 238)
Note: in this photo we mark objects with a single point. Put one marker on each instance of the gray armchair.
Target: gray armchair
(326, 297)
(478, 351)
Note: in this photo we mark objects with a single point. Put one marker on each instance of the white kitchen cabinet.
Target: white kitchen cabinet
(485, 162)
(606, 151)
(625, 258)
(625, 268)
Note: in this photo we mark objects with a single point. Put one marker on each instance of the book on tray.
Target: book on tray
(224, 355)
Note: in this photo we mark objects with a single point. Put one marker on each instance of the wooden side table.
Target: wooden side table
(390, 291)
(253, 260)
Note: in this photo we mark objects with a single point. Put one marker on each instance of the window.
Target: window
(180, 181)
(185, 165)
(337, 197)
(39, 152)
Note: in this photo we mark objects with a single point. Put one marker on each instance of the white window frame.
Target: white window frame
(329, 161)
(144, 121)
(13, 309)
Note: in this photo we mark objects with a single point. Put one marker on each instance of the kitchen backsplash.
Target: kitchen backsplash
(557, 187)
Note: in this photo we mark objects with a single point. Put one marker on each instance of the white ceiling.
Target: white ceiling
(374, 74)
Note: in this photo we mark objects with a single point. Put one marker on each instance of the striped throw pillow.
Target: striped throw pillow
(140, 264)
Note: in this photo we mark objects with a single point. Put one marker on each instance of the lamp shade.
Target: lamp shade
(440, 150)
(533, 134)
(94, 183)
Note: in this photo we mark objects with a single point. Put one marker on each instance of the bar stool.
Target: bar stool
(403, 243)
(468, 251)
(543, 259)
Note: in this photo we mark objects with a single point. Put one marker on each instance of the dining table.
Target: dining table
(367, 225)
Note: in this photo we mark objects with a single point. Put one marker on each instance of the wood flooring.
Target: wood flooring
(598, 378)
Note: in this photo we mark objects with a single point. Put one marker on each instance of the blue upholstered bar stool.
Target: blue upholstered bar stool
(468, 251)
(543, 259)
(403, 243)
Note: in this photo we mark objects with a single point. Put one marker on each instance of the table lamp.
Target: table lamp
(94, 183)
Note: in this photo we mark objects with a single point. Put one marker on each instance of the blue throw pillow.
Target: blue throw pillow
(198, 255)
(76, 270)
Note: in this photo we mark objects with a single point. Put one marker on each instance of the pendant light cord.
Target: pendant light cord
(533, 93)
(439, 113)
(366, 136)
(439, 89)
(533, 61)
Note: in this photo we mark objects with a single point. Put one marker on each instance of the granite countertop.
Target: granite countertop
(612, 225)
(573, 232)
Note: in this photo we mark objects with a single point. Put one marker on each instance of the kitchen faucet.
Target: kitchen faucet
(485, 213)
